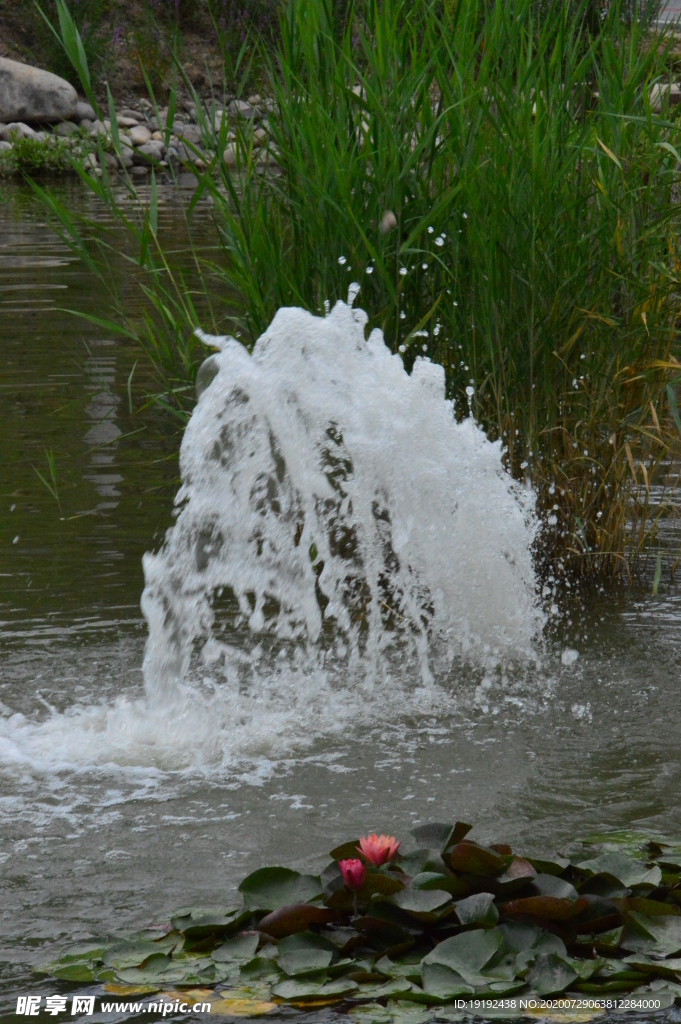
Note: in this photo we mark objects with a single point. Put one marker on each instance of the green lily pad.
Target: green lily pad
(133, 955)
(471, 859)
(603, 942)
(302, 961)
(259, 968)
(621, 868)
(551, 885)
(650, 908)
(388, 990)
(421, 860)
(346, 851)
(421, 901)
(664, 968)
(302, 991)
(242, 947)
(652, 935)
(443, 982)
(467, 953)
(551, 866)
(83, 972)
(435, 835)
(478, 909)
(272, 888)
(550, 974)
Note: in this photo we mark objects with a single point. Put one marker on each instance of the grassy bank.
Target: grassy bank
(531, 248)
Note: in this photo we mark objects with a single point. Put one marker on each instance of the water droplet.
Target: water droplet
(569, 656)
(16, 539)
(388, 222)
(424, 266)
(403, 271)
(327, 307)
(403, 348)
(424, 348)
(439, 240)
(465, 216)
(456, 303)
(470, 391)
(342, 260)
(436, 330)
(403, 315)
(430, 229)
(369, 270)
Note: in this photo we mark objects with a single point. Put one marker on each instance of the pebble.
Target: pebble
(84, 112)
(65, 128)
(659, 92)
(152, 151)
(5, 147)
(140, 135)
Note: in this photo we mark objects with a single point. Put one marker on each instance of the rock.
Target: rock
(84, 112)
(126, 122)
(91, 164)
(136, 115)
(126, 157)
(140, 135)
(86, 123)
(239, 108)
(189, 133)
(111, 161)
(157, 136)
(30, 94)
(151, 152)
(259, 137)
(16, 130)
(137, 169)
(65, 128)
(229, 156)
(658, 94)
(5, 147)
(98, 128)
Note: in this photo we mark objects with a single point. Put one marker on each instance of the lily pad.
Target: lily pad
(421, 901)
(443, 982)
(302, 991)
(544, 908)
(297, 917)
(478, 909)
(470, 858)
(621, 868)
(660, 936)
(551, 885)
(303, 961)
(242, 947)
(467, 953)
(435, 835)
(550, 974)
(272, 888)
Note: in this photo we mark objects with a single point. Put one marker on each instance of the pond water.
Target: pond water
(114, 811)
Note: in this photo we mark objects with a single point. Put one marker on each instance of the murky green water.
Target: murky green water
(87, 847)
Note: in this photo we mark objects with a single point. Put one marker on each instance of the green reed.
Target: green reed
(534, 254)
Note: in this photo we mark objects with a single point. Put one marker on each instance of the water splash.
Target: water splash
(332, 509)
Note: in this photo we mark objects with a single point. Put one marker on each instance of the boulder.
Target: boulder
(5, 146)
(30, 94)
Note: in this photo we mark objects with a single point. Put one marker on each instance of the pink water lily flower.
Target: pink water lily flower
(378, 849)
(353, 872)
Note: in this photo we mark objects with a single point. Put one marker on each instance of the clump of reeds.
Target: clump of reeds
(534, 252)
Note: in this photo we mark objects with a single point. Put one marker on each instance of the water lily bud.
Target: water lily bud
(388, 222)
(378, 849)
(353, 872)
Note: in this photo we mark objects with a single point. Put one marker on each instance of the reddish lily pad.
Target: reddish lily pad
(297, 917)
(544, 908)
(470, 858)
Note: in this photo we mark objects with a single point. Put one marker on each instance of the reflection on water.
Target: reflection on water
(89, 845)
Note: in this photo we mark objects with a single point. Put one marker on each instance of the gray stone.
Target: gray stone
(86, 123)
(16, 130)
(189, 133)
(30, 94)
(97, 128)
(139, 135)
(5, 146)
(66, 128)
(126, 122)
(84, 112)
(239, 108)
(151, 152)
(126, 157)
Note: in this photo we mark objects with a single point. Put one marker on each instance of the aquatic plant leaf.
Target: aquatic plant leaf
(549, 866)
(652, 935)
(275, 887)
(478, 909)
(258, 968)
(421, 901)
(346, 851)
(133, 955)
(467, 953)
(71, 972)
(420, 861)
(519, 936)
(302, 991)
(544, 908)
(302, 961)
(664, 968)
(242, 947)
(394, 987)
(550, 974)
(470, 858)
(297, 917)
(305, 940)
(551, 885)
(603, 942)
(434, 835)
(649, 908)
(443, 982)
(238, 1003)
(201, 924)
(618, 866)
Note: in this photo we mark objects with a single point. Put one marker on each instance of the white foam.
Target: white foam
(341, 543)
